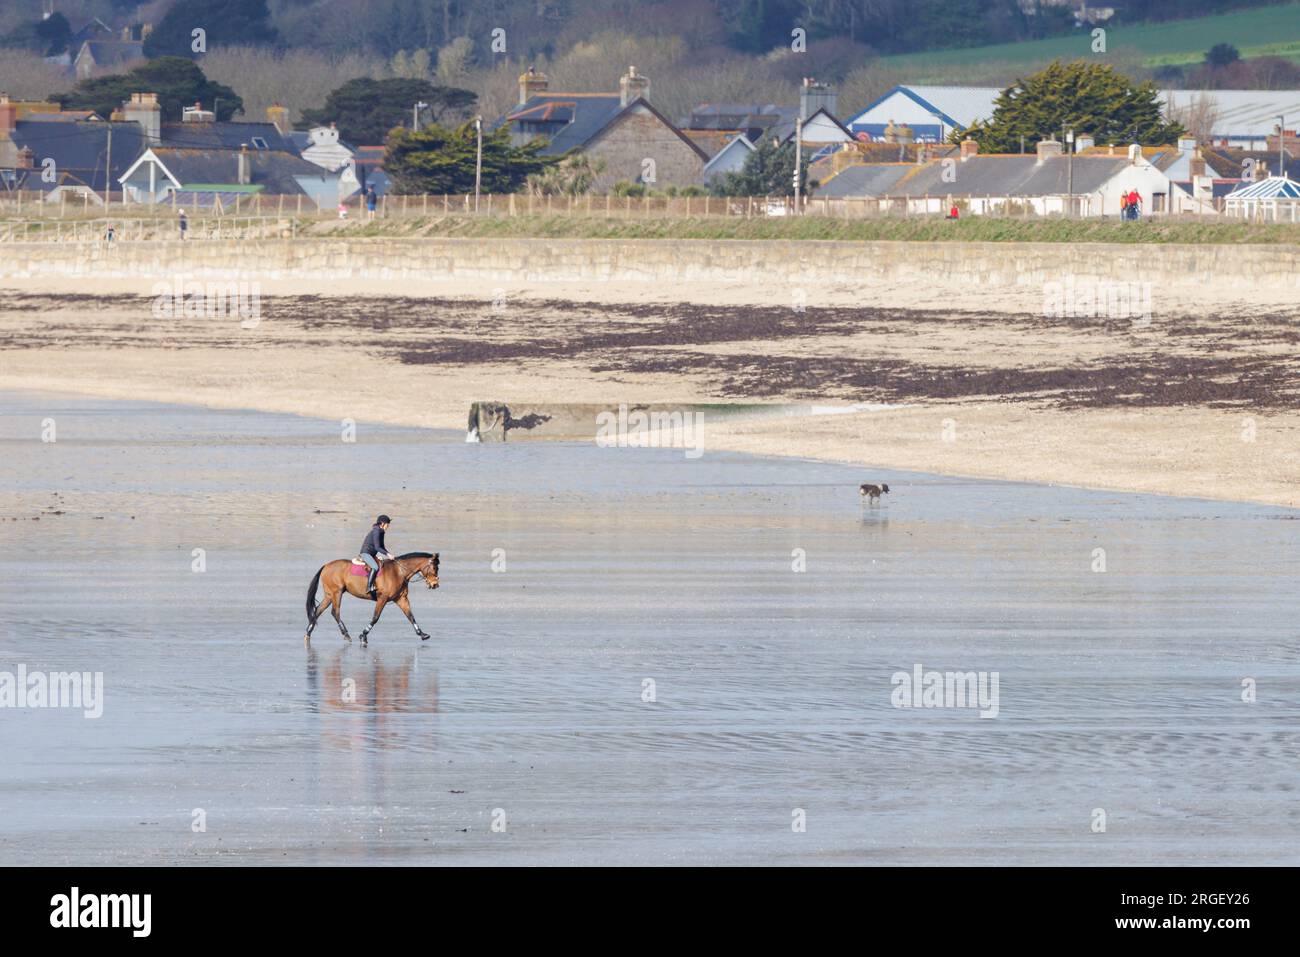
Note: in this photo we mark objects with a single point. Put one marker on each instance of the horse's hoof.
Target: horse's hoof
(424, 637)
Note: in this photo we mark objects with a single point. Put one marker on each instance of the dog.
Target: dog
(873, 492)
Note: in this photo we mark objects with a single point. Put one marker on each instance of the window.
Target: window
(260, 143)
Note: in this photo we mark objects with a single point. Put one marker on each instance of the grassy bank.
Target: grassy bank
(972, 229)
(1262, 31)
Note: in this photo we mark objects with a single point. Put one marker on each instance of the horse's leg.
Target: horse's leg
(336, 599)
(380, 602)
(315, 617)
(404, 603)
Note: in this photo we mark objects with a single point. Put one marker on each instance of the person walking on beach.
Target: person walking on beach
(184, 223)
(371, 200)
(1134, 204)
(373, 551)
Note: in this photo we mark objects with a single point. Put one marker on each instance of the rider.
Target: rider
(373, 551)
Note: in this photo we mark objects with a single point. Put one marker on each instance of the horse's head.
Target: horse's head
(429, 571)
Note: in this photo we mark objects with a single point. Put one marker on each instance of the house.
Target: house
(729, 159)
(208, 173)
(321, 145)
(625, 136)
(751, 119)
(1046, 181)
(932, 112)
(1239, 119)
(92, 29)
(70, 155)
(98, 57)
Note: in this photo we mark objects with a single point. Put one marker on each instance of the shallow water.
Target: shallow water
(1118, 690)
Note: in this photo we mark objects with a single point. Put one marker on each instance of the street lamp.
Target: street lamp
(1281, 140)
(1069, 176)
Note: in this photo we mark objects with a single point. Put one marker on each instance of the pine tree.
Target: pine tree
(1089, 98)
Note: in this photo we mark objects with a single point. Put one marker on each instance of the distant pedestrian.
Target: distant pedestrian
(343, 210)
(111, 234)
(1134, 204)
(954, 212)
(371, 201)
(185, 224)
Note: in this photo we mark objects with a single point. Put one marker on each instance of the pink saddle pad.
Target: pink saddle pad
(362, 570)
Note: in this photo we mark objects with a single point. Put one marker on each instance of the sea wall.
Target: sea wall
(661, 261)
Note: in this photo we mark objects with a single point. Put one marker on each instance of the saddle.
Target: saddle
(359, 568)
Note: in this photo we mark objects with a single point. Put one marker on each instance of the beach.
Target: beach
(637, 657)
(1196, 397)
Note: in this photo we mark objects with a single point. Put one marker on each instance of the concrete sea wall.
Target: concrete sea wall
(660, 261)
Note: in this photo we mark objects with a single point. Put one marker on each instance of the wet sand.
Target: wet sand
(1119, 690)
(1202, 402)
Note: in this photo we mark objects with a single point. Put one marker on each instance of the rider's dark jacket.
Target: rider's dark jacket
(374, 543)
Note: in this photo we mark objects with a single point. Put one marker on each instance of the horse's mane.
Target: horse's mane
(416, 555)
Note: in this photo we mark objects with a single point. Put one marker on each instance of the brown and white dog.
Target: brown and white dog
(872, 492)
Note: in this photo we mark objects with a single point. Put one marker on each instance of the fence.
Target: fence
(23, 217)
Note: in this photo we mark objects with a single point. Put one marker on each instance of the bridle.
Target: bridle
(420, 573)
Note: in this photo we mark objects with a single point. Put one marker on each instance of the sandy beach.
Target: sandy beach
(1202, 400)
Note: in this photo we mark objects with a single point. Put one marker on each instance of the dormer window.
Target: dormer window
(260, 143)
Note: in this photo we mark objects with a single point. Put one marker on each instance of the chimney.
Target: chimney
(816, 96)
(26, 158)
(1048, 148)
(1196, 166)
(197, 114)
(530, 84)
(1083, 142)
(8, 114)
(632, 85)
(969, 148)
(143, 108)
(278, 115)
(1186, 144)
(1134, 152)
(245, 175)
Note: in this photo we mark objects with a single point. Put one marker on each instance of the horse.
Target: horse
(391, 583)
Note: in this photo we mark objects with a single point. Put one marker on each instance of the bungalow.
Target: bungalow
(627, 139)
(1044, 181)
(209, 173)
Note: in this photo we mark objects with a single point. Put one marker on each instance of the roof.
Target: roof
(1232, 161)
(1275, 187)
(575, 119)
(958, 106)
(784, 129)
(80, 148)
(712, 141)
(1242, 113)
(272, 170)
(871, 179)
(738, 116)
(112, 52)
(987, 175)
(228, 136)
(67, 116)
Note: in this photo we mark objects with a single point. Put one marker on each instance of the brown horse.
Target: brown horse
(391, 583)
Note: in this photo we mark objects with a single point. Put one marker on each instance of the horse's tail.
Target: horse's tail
(311, 597)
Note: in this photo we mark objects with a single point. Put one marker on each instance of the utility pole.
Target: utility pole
(478, 159)
(108, 165)
(798, 159)
(415, 116)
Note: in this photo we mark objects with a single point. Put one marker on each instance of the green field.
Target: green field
(1265, 31)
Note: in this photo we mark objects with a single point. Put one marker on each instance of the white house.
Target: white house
(933, 112)
(729, 159)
